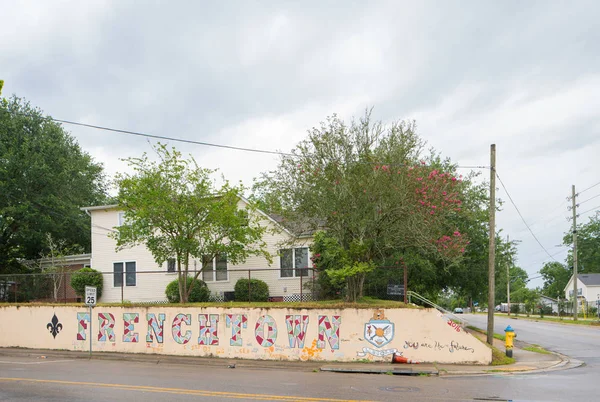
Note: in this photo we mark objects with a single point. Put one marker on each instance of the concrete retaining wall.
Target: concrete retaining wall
(277, 333)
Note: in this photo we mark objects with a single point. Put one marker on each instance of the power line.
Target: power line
(589, 210)
(521, 216)
(208, 144)
(546, 259)
(591, 198)
(551, 213)
(161, 137)
(589, 188)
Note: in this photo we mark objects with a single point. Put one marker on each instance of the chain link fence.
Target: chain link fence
(285, 285)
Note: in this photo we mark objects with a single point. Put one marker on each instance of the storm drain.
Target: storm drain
(400, 389)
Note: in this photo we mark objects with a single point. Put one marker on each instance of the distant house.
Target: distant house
(133, 275)
(548, 301)
(63, 267)
(588, 287)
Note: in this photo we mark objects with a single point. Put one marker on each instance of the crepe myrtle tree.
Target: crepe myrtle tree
(174, 207)
(373, 189)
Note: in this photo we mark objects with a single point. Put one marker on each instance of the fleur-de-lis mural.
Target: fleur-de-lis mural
(54, 327)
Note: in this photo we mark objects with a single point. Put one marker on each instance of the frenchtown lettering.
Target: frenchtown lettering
(265, 329)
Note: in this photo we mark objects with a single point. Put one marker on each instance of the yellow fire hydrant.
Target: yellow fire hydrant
(508, 340)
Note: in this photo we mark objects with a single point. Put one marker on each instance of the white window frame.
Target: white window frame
(213, 270)
(120, 219)
(294, 268)
(124, 273)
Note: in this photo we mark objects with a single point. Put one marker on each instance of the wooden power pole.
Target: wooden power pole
(574, 195)
(508, 264)
(492, 255)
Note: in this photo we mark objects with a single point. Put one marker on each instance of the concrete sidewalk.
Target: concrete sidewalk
(526, 361)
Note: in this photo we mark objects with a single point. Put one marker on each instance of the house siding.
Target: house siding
(589, 293)
(150, 287)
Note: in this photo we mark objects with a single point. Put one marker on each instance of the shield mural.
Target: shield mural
(379, 331)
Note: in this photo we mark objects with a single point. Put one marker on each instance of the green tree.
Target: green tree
(45, 178)
(340, 268)
(556, 276)
(87, 277)
(588, 245)
(505, 257)
(375, 190)
(1, 85)
(175, 209)
(529, 297)
(469, 279)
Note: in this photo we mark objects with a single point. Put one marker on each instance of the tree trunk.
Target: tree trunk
(187, 290)
(361, 285)
(180, 281)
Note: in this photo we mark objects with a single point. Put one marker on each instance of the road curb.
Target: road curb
(560, 365)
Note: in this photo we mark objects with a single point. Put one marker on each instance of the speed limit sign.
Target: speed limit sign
(90, 296)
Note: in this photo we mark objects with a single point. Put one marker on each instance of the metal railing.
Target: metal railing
(413, 295)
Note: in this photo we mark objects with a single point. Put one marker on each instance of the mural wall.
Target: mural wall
(280, 334)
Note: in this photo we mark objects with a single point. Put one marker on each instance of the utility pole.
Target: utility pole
(508, 275)
(492, 255)
(573, 195)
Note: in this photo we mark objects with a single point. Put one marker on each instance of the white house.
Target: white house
(588, 287)
(548, 301)
(133, 275)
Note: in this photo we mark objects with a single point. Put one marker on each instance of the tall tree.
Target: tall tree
(375, 190)
(588, 245)
(556, 276)
(45, 177)
(176, 210)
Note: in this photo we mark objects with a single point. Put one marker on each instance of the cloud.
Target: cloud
(521, 75)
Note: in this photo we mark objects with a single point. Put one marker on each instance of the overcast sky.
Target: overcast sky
(522, 75)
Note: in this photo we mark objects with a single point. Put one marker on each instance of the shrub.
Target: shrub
(199, 292)
(87, 277)
(259, 290)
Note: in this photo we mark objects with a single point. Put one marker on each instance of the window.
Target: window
(121, 219)
(579, 292)
(118, 274)
(130, 274)
(171, 265)
(216, 269)
(293, 262)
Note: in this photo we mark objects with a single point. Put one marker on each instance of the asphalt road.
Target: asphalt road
(54, 379)
(581, 342)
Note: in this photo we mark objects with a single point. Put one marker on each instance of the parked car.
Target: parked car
(458, 310)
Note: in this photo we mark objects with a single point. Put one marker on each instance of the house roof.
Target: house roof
(589, 279)
(99, 207)
(277, 220)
